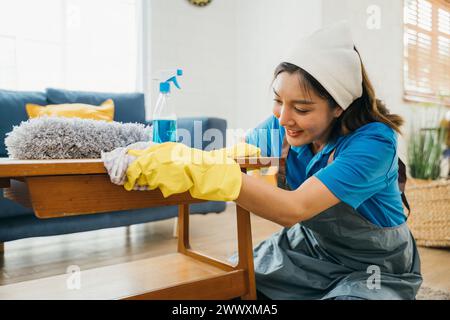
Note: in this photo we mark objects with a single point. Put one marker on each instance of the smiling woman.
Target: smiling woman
(312, 96)
(306, 116)
(342, 208)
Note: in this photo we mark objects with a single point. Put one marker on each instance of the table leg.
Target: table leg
(245, 249)
(183, 228)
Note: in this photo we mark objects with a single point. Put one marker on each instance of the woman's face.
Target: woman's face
(306, 118)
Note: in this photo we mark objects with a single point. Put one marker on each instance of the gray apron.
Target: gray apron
(338, 253)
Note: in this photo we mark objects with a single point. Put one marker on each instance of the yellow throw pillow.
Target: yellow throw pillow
(73, 110)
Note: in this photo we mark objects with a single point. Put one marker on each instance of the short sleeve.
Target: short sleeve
(361, 167)
(267, 136)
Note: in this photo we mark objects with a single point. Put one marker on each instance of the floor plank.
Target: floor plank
(108, 283)
(34, 258)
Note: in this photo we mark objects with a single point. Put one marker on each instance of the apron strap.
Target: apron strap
(331, 158)
(402, 183)
(281, 176)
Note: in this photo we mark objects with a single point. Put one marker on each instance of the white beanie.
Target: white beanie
(329, 56)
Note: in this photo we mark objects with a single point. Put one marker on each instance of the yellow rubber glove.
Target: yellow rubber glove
(176, 168)
(240, 150)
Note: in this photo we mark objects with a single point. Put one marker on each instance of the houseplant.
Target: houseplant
(427, 192)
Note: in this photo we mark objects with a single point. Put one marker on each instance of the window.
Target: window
(427, 51)
(73, 44)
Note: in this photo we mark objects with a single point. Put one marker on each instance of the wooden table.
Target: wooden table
(60, 188)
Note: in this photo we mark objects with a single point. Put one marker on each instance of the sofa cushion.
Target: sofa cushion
(129, 107)
(12, 111)
(105, 111)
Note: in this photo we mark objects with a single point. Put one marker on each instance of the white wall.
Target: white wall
(228, 50)
(202, 42)
(265, 29)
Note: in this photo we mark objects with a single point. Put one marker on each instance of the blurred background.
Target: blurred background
(227, 48)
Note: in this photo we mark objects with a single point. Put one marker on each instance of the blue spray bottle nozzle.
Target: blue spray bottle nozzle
(175, 82)
(167, 76)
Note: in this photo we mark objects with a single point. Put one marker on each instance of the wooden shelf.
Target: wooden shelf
(172, 276)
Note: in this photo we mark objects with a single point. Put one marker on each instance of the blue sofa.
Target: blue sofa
(17, 222)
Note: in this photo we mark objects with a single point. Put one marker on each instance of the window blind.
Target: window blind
(427, 51)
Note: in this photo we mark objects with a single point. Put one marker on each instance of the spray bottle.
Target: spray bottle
(164, 117)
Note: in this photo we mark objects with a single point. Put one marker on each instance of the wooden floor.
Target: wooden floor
(214, 234)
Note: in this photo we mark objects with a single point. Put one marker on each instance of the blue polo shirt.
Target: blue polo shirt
(364, 173)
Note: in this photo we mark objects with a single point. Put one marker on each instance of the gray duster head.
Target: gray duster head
(71, 138)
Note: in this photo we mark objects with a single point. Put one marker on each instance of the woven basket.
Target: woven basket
(430, 211)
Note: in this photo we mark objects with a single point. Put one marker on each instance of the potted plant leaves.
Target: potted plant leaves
(428, 191)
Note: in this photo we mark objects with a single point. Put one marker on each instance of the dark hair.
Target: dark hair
(362, 111)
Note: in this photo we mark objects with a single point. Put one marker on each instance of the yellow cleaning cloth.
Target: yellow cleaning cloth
(176, 168)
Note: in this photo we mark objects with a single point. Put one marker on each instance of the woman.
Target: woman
(342, 166)
(344, 234)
